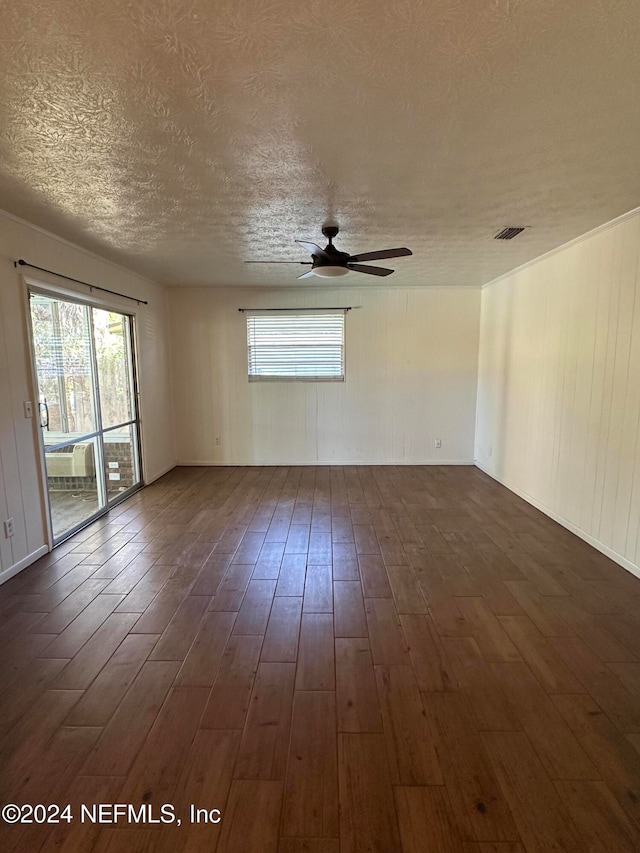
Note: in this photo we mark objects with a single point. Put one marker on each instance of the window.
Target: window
(296, 345)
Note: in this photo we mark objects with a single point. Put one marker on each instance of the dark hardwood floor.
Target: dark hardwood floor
(337, 659)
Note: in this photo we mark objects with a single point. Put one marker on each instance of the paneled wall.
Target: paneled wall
(559, 386)
(20, 487)
(411, 357)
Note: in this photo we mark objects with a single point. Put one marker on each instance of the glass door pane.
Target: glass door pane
(73, 483)
(86, 389)
(121, 460)
(64, 367)
(69, 418)
(112, 336)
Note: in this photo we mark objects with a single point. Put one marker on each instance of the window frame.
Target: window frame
(251, 314)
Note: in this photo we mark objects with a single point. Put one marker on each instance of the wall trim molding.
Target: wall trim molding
(576, 240)
(590, 540)
(306, 463)
(23, 563)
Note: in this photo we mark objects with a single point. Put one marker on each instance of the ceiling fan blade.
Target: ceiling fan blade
(312, 248)
(370, 270)
(306, 274)
(306, 263)
(383, 253)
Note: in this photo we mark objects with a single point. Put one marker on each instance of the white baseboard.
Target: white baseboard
(591, 540)
(290, 464)
(23, 563)
(156, 475)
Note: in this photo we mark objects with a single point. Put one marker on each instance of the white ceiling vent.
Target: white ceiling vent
(510, 232)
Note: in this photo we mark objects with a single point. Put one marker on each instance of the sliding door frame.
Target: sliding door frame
(53, 291)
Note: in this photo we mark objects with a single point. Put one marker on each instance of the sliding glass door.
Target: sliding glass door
(84, 369)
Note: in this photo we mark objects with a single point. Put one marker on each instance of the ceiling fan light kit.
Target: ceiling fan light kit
(331, 263)
(329, 271)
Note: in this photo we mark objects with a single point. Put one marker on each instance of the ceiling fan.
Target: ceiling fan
(330, 262)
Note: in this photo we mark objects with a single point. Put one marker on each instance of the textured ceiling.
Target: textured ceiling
(180, 137)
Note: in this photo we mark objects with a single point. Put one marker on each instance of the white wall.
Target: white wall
(559, 387)
(411, 370)
(20, 487)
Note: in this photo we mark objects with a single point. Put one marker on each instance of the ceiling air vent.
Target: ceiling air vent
(509, 233)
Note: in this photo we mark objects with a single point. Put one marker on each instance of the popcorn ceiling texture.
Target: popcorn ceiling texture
(180, 137)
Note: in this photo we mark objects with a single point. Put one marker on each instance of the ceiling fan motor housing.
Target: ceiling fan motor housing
(333, 254)
(331, 264)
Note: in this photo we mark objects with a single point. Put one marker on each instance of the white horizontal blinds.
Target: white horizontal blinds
(302, 345)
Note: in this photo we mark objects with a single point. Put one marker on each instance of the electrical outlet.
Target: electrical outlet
(437, 443)
(28, 409)
(8, 528)
(217, 439)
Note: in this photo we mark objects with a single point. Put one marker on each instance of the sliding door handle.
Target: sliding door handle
(44, 408)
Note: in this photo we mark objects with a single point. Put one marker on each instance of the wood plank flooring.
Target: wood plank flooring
(337, 659)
